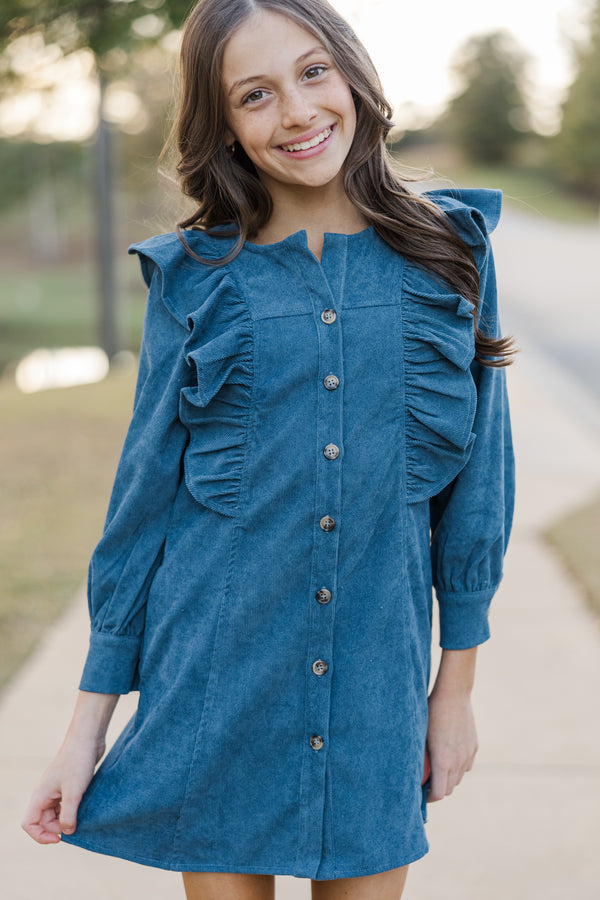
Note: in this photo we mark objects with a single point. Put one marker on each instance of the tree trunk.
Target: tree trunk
(105, 224)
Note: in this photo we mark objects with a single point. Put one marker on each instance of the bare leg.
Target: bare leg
(383, 886)
(228, 886)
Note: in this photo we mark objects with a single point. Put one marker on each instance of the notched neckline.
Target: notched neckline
(300, 239)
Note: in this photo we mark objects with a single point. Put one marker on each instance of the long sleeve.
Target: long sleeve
(471, 518)
(147, 480)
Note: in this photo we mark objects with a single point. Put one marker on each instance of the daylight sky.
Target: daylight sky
(411, 43)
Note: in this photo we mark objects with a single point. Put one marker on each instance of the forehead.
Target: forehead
(265, 43)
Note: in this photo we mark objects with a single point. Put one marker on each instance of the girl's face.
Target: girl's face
(286, 103)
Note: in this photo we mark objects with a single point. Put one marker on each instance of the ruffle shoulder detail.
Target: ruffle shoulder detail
(474, 212)
(215, 407)
(181, 276)
(439, 347)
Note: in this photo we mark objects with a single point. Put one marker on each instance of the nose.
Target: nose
(296, 109)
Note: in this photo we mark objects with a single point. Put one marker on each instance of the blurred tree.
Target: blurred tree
(489, 116)
(34, 164)
(110, 29)
(576, 149)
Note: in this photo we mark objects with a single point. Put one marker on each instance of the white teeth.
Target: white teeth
(306, 145)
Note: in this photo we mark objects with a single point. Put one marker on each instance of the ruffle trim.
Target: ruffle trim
(474, 212)
(440, 392)
(439, 347)
(215, 407)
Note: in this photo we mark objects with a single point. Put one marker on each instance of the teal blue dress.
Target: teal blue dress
(313, 448)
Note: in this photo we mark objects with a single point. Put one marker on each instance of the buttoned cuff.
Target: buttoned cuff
(464, 618)
(111, 664)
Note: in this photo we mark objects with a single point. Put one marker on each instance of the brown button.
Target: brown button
(331, 382)
(327, 523)
(331, 451)
(316, 741)
(319, 667)
(323, 595)
(328, 316)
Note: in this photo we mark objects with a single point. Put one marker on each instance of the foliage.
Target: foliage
(28, 166)
(576, 150)
(488, 117)
(100, 25)
(107, 32)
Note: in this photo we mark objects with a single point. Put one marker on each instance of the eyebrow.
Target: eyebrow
(253, 78)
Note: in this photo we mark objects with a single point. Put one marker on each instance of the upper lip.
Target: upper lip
(308, 136)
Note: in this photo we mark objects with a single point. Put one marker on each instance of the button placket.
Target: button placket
(320, 664)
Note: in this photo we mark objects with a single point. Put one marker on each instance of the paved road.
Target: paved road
(549, 282)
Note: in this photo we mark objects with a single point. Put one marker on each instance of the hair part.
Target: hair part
(227, 190)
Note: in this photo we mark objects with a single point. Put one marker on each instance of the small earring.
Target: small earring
(231, 149)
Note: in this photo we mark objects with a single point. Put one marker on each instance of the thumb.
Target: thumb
(68, 813)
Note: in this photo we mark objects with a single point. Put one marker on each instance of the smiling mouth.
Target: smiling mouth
(307, 145)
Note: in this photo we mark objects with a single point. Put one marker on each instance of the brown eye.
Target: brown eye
(254, 97)
(314, 71)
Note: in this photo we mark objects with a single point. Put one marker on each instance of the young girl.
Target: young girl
(320, 434)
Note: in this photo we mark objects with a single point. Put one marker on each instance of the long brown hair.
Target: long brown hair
(227, 189)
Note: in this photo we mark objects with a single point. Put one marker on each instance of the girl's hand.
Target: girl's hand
(54, 803)
(451, 741)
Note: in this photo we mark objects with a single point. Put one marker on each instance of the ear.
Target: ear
(229, 137)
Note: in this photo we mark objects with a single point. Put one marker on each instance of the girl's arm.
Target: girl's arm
(451, 735)
(148, 478)
(55, 800)
(471, 521)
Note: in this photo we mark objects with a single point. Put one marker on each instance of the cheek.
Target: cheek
(345, 105)
(253, 135)
(350, 116)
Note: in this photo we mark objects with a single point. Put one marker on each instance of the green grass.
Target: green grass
(576, 537)
(531, 191)
(57, 306)
(58, 457)
(525, 186)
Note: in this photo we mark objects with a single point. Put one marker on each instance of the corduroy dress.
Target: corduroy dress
(312, 448)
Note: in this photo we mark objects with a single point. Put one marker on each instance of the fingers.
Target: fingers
(437, 785)
(68, 813)
(446, 776)
(451, 743)
(442, 784)
(48, 817)
(41, 821)
(55, 801)
(41, 835)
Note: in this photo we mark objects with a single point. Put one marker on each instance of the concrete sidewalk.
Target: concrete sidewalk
(524, 825)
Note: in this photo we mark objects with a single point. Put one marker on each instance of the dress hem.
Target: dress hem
(282, 869)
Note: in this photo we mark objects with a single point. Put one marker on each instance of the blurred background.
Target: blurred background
(498, 94)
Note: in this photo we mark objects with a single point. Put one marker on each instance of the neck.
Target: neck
(315, 210)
